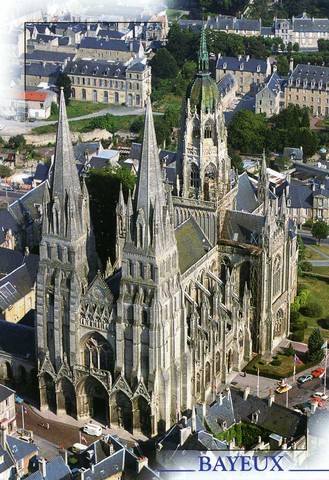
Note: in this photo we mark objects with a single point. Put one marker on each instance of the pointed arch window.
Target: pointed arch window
(208, 131)
(207, 373)
(195, 176)
(278, 323)
(277, 276)
(84, 94)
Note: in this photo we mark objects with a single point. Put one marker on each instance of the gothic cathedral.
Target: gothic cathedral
(206, 272)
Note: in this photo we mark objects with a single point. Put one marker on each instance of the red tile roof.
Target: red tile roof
(30, 96)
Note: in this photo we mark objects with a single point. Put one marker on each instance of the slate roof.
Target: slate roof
(232, 23)
(24, 345)
(267, 31)
(311, 25)
(13, 259)
(117, 34)
(309, 76)
(81, 149)
(277, 418)
(20, 449)
(226, 84)
(41, 172)
(321, 192)
(15, 286)
(5, 392)
(300, 196)
(47, 56)
(192, 244)
(234, 64)
(110, 44)
(246, 198)
(56, 470)
(7, 463)
(24, 209)
(97, 68)
(243, 227)
(7, 222)
(274, 83)
(46, 38)
(43, 70)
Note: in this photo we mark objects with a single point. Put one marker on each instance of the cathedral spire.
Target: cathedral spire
(149, 181)
(65, 176)
(263, 184)
(203, 58)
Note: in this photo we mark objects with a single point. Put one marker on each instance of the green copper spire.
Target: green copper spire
(203, 52)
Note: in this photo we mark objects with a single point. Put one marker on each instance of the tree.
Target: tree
(64, 81)
(282, 65)
(17, 142)
(4, 171)
(320, 230)
(315, 344)
(164, 64)
(248, 132)
(295, 47)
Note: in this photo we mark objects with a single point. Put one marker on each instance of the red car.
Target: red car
(318, 372)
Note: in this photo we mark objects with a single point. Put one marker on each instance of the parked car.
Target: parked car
(19, 400)
(321, 395)
(305, 378)
(32, 119)
(318, 372)
(303, 407)
(283, 389)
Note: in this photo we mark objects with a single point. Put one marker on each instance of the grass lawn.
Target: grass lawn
(171, 100)
(319, 293)
(124, 122)
(285, 369)
(321, 270)
(323, 123)
(322, 248)
(78, 109)
(311, 255)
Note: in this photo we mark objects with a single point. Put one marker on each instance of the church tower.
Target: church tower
(148, 332)
(203, 165)
(67, 259)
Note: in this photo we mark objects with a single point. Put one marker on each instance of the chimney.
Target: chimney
(313, 407)
(239, 58)
(43, 467)
(3, 436)
(184, 433)
(220, 398)
(274, 68)
(193, 418)
(184, 421)
(291, 64)
(247, 58)
(141, 463)
(246, 393)
(271, 399)
(26, 251)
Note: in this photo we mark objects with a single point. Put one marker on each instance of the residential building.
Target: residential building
(110, 49)
(42, 73)
(302, 30)
(110, 82)
(7, 409)
(238, 26)
(55, 469)
(138, 337)
(22, 454)
(18, 275)
(248, 72)
(270, 97)
(308, 86)
(227, 89)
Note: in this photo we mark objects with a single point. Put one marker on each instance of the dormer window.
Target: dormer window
(305, 83)
(320, 84)
(242, 66)
(106, 72)
(298, 82)
(290, 81)
(258, 68)
(312, 84)
(95, 70)
(73, 69)
(224, 65)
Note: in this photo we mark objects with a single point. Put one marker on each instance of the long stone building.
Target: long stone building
(205, 276)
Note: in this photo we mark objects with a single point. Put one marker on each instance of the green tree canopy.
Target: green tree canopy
(164, 64)
(17, 142)
(320, 230)
(4, 171)
(64, 81)
(315, 343)
(247, 132)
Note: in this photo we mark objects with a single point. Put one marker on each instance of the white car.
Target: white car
(321, 395)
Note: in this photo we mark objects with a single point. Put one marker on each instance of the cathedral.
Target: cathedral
(205, 273)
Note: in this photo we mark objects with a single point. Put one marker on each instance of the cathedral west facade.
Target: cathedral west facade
(205, 275)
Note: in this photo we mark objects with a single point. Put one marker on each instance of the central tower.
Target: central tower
(203, 165)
